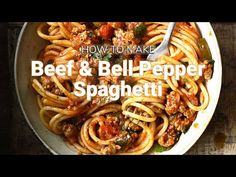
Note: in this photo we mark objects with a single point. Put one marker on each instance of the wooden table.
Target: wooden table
(218, 138)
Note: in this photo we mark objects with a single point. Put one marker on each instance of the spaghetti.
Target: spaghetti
(131, 125)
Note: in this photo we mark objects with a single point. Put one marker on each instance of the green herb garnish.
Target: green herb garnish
(97, 55)
(107, 57)
(159, 148)
(140, 30)
(91, 34)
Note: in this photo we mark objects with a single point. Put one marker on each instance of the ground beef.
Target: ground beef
(182, 107)
(172, 105)
(181, 118)
(134, 128)
(180, 122)
(57, 91)
(112, 148)
(192, 98)
(69, 130)
(169, 137)
(190, 114)
(117, 25)
(123, 38)
(78, 29)
(132, 25)
(47, 83)
(207, 73)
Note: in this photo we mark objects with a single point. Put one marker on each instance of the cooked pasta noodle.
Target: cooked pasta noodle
(131, 125)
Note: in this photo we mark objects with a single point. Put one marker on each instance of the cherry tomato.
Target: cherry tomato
(106, 31)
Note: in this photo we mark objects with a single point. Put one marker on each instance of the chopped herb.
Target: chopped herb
(140, 30)
(107, 57)
(91, 34)
(97, 55)
(185, 80)
(123, 128)
(159, 148)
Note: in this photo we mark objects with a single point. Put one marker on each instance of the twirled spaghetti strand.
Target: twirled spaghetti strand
(131, 125)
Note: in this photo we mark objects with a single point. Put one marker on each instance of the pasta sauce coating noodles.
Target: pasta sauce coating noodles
(132, 124)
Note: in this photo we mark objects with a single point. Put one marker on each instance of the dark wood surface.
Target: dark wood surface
(218, 138)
